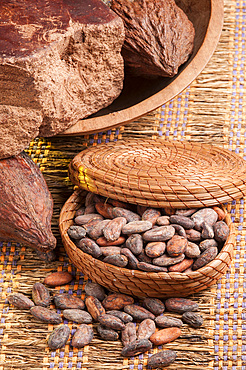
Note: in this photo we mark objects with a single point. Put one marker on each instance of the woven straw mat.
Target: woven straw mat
(212, 110)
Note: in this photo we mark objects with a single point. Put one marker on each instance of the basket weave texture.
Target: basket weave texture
(158, 173)
(139, 283)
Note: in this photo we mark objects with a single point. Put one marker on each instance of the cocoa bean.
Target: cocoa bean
(221, 231)
(155, 249)
(79, 316)
(129, 334)
(151, 214)
(90, 209)
(109, 251)
(192, 250)
(136, 347)
(159, 234)
(89, 199)
(205, 214)
(97, 230)
(95, 290)
(181, 266)
(164, 336)
(205, 244)
(89, 226)
(59, 337)
(221, 214)
(58, 278)
(150, 268)
(160, 359)
(135, 243)
(154, 305)
(80, 211)
(76, 232)
(40, 295)
(132, 260)
(125, 318)
(146, 329)
(138, 313)
(142, 257)
(180, 305)
(89, 246)
(126, 213)
(117, 301)
(65, 301)
(136, 227)
(141, 209)
(185, 212)
(168, 321)
(168, 211)
(207, 231)
(207, 256)
(106, 333)
(118, 203)
(184, 221)
(179, 230)
(111, 322)
(20, 301)
(193, 319)
(105, 209)
(94, 307)
(45, 315)
(193, 235)
(83, 336)
(103, 242)
(176, 246)
(113, 229)
(84, 219)
(165, 260)
(163, 221)
(116, 260)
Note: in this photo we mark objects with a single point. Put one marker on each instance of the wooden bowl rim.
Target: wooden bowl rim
(203, 271)
(193, 69)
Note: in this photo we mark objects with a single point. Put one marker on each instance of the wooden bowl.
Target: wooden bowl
(139, 283)
(139, 95)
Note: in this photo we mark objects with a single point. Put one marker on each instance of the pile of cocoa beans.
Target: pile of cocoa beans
(139, 324)
(148, 239)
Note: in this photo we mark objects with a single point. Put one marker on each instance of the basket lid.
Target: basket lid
(161, 173)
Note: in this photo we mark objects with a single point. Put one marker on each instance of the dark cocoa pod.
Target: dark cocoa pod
(106, 333)
(111, 322)
(97, 231)
(221, 231)
(148, 267)
(159, 234)
(83, 336)
(26, 204)
(164, 336)
(89, 246)
(193, 319)
(45, 315)
(103, 242)
(76, 232)
(40, 295)
(184, 221)
(154, 305)
(59, 337)
(76, 315)
(155, 249)
(132, 260)
(136, 347)
(105, 209)
(65, 301)
(58, 278)
(151, 214)
(95, 290)
(116, 260)
(94, 307)
(160, 359)
(146, 329)
(181, 266)
(176, 246)
(20, 301)
(121, 315)
(113, 229)
(135, 243)
(207, 256)
(136, 227)
(138, 313)
(168, 321)
(180, 305)
(126, 213)
(129, 334)
(117, 301)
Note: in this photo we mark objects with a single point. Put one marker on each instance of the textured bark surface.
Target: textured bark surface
(60, 61)
(159, 36)
(26, 205)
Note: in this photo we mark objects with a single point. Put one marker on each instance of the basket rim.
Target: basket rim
(138, 273)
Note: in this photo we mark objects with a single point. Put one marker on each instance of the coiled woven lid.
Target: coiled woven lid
(159, 173)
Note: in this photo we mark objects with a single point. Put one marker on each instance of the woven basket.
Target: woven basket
(139, 283)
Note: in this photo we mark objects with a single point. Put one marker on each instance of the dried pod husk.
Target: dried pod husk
(26, 205)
